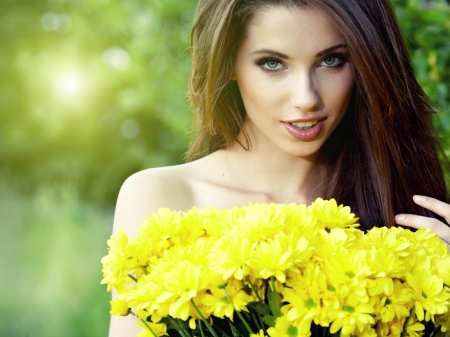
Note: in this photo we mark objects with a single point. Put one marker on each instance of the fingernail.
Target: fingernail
(419, 198)
(400, 217)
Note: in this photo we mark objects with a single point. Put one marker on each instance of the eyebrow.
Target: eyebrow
(326, 51)
(284, 56)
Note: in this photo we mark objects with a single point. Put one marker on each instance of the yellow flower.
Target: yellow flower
(192, 221)
(119, 262)
(259, 334)
(397, 304)
(142, 296)
(396, 327)
(142, 250)
(298, 220)
(180, 283)
(283, 328)
(429, 295)
(218, 304)
(326, 270)
(427, 241)
(388, 251)
(382, 329)
(352, 316)
(329, 242)
(260, 222)
(159, 329)
(229, 257)
(413, 327)
(304, 298)
(369, 332)
(196, 252)
(162, 229)
(443, 268)
(301, 248)
(330, 215)
(119, 307)
(272, 258)
(218, 222)
(347, 272)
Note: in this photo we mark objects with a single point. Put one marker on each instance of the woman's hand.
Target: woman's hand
(416, 221)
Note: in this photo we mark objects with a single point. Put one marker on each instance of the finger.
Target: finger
(434, 205)
(417, 221)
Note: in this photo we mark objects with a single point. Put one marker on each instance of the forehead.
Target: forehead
(291, 28)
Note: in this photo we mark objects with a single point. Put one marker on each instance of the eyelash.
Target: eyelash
(265, 60)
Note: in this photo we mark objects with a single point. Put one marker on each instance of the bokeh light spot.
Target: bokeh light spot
(108, 122)
(116, 58)
(56, 22)
(130, 129)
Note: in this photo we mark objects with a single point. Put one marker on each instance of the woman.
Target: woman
(295, 100)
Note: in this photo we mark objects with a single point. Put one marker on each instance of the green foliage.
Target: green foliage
(92, 91)
(50, 247)
(426, 27)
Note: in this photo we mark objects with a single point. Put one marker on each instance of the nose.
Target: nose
(305, 96)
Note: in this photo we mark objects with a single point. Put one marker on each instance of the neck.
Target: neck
(280, 177)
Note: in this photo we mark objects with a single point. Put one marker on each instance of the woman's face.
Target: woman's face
(295, 79)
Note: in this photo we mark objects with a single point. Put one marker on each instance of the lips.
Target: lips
(305, 129)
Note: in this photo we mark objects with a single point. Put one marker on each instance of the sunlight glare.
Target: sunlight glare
(69, 84)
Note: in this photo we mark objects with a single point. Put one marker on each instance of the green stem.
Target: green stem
(132, 277)
(148, 327)
(253, 289)
(238, 313)
(258, 326)
(201, 328)
(179, 327)
(182, 328)
(210, 328)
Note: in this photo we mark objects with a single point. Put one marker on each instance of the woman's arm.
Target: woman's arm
(416, 221)
(142, 194)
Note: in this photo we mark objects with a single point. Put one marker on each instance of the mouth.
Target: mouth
(304, 125)
(305, 129)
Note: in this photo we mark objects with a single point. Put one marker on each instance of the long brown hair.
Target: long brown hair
(385, 149)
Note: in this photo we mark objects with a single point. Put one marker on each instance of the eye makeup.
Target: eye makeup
(273, 64)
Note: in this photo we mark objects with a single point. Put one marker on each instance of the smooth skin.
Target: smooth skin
(308, 81)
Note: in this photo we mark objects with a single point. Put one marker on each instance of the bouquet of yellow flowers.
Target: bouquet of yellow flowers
(278, 270)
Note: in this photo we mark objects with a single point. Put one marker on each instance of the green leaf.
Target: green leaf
(275, 303)
(260, 308)
(269, 320)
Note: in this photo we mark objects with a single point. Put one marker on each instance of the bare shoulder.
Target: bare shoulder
(205, 182)
(145, 192)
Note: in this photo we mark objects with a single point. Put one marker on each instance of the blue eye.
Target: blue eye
(332, 61)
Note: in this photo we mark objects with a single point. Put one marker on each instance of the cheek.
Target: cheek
(255, 92)
(337, 93)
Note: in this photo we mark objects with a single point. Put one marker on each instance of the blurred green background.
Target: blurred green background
(91, 92)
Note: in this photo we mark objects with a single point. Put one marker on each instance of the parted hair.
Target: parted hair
(385, 149)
